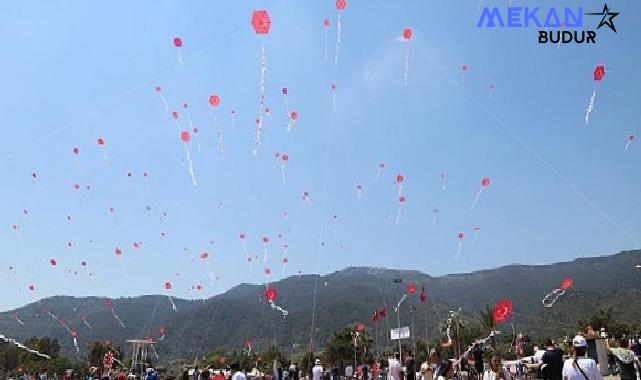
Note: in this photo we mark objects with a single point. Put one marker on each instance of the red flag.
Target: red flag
(502, 311)
(423, 295)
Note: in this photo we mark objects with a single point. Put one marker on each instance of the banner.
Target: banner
(404, 333)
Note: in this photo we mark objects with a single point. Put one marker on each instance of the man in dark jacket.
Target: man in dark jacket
(552, 362)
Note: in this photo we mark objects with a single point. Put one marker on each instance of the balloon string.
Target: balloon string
(476, 199)
(434, 219)
(154, 350)
(173, 305)
(458, 251)
(282, 170)
(556, 293)
(407, 64)
(86, 324)
(476, 234)
(179, 55)
(259, 125)
(105, 157)
(339, 27)
(284, 312)
(164, 101)
(18, 235)
(325, 44)
(290, 123)
(398, 215)
(190, 164)
(287, 109)
(122, 267)
(23, 347)
(220, 141)
(117, 318)
(628, 144)
(590, 108)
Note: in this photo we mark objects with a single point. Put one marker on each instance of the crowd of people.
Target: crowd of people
(479, 362)
(550, 362)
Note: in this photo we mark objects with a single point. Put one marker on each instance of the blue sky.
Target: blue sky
(76, 71)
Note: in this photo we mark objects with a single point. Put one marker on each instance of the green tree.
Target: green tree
(344, 346)
(486, 318)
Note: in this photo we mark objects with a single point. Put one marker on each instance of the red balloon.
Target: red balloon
(399, 178)
(214, 100)
(53, 262)
(100, 141)
(360, 326)
(265, 240)
(631, 137)
(566, 283)
(383, 311)
(284, 90)
(401, 199)
(83, 263)
(199, 287)
(184, 136)
(261, 22)
(178, 42)
(285, 157)
(502, 311)
(174, 114)
(32, 288)
(294, 115)
(76, 150)
(485, 182)
(340, 5)
(118, 252)
(158, 89)
(333, 87)
(285, 260)
(34, 175)
(411, 288)
(268, 271)
(326, 22)
(407, 33)
(242, 236)
(599, 72)
(204, 255)
(167, 285)
(464, 67)
(461, 235)
(271, 294)
(359, 187)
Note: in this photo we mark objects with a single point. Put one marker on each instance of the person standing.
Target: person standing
(394, 368)
(580, 367)
(496, 371)
(626, 359)
(317, 371)
(477, 354)
(410, 367)
(552, 359)
(236, 373)
(349, 372)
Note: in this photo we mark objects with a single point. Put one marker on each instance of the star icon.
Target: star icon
(607, 17)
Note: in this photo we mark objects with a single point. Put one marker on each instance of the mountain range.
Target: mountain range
(342, 298)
